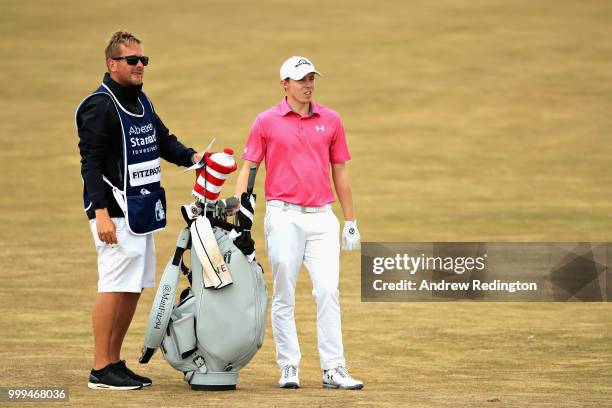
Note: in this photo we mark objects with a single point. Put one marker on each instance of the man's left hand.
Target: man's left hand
(350, 236)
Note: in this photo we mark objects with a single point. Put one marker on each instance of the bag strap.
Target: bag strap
(159, 317)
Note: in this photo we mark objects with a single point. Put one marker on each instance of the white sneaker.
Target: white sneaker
(289, 377)
(339, 377)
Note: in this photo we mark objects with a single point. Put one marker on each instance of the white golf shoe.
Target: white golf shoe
(289, 377)
(339, 377)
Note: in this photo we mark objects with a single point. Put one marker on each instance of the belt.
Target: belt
(295, 207)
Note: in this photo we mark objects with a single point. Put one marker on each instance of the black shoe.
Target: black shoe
(111, 378)
(123, 367)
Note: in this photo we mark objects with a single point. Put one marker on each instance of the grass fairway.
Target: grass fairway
(480, 120)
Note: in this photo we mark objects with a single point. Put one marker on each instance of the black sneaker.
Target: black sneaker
(123, 367)
(111, 378)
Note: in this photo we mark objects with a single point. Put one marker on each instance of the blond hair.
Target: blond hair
(120, 37)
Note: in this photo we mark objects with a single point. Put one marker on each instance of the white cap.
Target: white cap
(297, 68)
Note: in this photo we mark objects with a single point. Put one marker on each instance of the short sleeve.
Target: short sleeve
(338, 151)
(255, 149)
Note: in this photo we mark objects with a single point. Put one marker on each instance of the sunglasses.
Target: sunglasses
(133, 59)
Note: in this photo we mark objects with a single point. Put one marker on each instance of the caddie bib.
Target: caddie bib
(141, 197)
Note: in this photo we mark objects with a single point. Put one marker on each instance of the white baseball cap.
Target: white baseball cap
(297, 68)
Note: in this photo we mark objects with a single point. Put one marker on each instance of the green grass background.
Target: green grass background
(483, 120)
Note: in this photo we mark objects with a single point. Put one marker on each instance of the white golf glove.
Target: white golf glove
(350, 236)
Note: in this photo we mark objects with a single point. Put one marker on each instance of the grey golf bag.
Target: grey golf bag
(215, 329)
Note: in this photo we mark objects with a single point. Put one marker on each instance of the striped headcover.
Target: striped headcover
(210, 178)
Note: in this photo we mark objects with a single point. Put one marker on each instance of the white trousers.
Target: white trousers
(293, 238)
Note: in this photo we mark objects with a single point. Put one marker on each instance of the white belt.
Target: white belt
(295, 207)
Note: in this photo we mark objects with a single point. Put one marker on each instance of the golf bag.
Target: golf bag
(215, 329)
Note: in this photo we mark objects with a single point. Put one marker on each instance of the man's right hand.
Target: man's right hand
(106, 228)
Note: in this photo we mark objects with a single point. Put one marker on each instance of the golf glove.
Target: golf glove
(350, 236)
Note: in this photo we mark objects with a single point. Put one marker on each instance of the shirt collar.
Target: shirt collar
(315, 108)
(285, 108)
(120, 91)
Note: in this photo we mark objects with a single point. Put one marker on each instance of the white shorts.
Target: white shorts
(128, 266)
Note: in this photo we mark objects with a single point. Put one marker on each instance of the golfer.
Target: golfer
(300, 142)
(121, 140)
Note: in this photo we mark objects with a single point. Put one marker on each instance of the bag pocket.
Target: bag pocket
(147, 213)
(183, 334)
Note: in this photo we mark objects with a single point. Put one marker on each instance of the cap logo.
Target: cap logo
(302, 62)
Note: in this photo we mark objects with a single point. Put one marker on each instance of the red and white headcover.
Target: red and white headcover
(210, 178)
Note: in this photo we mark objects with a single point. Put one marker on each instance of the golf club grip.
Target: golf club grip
(231, 202)
(221, 224)
(251, 182)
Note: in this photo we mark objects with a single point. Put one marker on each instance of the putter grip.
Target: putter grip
(251, 182)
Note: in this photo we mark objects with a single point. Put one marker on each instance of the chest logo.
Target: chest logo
(320, 128)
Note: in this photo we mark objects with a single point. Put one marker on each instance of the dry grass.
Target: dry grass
(479, 120)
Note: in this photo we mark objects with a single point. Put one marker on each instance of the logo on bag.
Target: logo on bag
(199, 361)
(161, 309)
(160, 214)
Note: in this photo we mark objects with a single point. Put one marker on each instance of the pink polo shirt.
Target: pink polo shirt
(298, 152)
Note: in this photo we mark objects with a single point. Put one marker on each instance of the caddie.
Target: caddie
(121, 141)
(300, 142)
